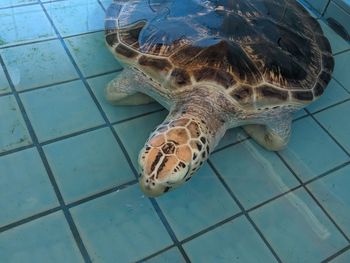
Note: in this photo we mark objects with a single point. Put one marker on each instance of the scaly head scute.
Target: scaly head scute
(174, 151)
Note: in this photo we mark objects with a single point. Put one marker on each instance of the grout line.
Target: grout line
(244, 212)
(340, 252)
(313, 197)
(44, 161)
(16, 150)
(155, 254)
(29, 219)
(154, 203)
(329, 107)
(28, 4)
(341, 52)
(103, 193)
(341, 84)
(329, 134)
(325, 8)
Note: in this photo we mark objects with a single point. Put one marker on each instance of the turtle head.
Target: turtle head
(174, 151)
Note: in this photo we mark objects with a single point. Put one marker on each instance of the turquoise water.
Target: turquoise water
(68, 161)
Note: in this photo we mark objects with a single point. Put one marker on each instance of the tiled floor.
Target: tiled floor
(68, 162)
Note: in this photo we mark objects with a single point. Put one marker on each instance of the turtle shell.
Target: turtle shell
(262, 52)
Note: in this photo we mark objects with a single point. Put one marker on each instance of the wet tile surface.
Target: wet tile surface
(332, 192)
(46, 239)
(13, 130)
(190, 211)
(73, 17)
(26, 184)
(254, 174)
(125, 219)
(4, 85)
(81, 159)
(301, 218)
(91, 54)
(22, 24)
(120, 113)
(82, 166)
(50, 58)
(311, 151)
(72, 110)
(229, 243)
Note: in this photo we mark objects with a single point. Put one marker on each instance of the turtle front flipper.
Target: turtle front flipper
(178, 148)
(274, 136)
(123, 90)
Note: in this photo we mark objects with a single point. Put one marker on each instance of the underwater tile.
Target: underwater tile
(341, 70)
(51, 62)
(311, 151)
(73, 17)
(121, 226)
(9, 3)
(4, 85)
(231, 136)
(13, 129)
(332, 191)
(338, 44)
(47, 239)
(297, 229)
(61, 110)
(319, 5)
(25, 188)
(340, 15)
(134, 133)
(254, 174)
(117, 113)
(198, 204)
(333, 94)
(343, 258)
(336, 121)
(91, 55)
(298, 114)
(87, 164)
(170, 256)
(235, 241)
(25, 23)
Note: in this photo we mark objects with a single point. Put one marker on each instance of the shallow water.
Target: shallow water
(68, 161)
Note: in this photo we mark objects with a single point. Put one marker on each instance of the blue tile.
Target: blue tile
(341, 70)
(134, 133)
(25, 188)
(4, 85)
(319, 5)
(300, 113)
(170, 256)
(332, 95)
(336, 121)
(311, 151)
(235, 241)
(203, 201)
(51, 62)
(345, 4)
(122, 226)
(91, 55)
(343, 258)
(60, 110)
(297, 229)
(73, 17)
(339, 14)
(231, 136)
(117, 113)
(21, 24)
(8, 3)
(88, 164)
(333, 193)
(254, 174)
(47, 239)
(13, 130)
(337, 42)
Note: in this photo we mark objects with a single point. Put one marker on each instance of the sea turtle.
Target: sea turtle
(215, 65)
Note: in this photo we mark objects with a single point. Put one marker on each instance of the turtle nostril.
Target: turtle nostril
(147, 181)
(153, 184)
